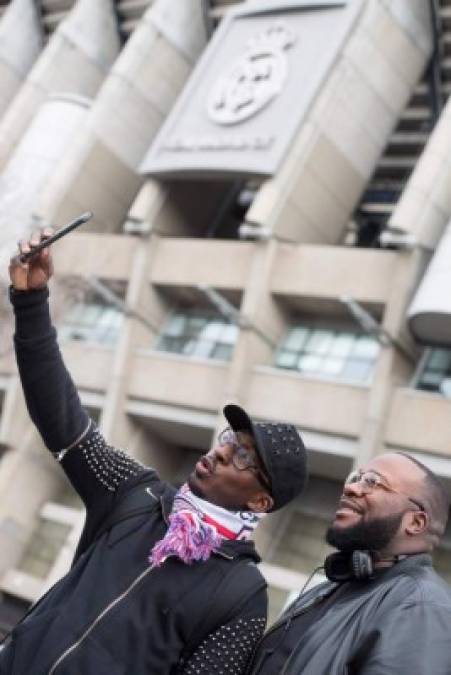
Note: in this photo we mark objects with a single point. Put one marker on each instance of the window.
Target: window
(91, 321)
(434, 372)
(199, 334)
(326, 353)
(45, 544)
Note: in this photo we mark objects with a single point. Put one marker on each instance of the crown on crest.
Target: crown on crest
(277, 36)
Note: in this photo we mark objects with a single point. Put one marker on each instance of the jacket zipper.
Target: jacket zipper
(274, 627)
(280, 623)
(97, 620)
(113, 603)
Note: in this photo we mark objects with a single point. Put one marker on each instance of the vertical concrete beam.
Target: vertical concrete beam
(21, 41)
(36, 158)
(261, 309)
(425, 205)
(77, 58)
(392, 368)
(139, 92)
(318, 186)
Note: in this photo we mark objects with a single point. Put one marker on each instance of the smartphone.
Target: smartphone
(25, 257)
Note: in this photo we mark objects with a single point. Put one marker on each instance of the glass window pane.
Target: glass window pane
(195, 325)
(440, 359)
(366, 348)
(296, 338)
(445, 387)
(357, 370)
(286, 359)
(175, 325)
(75, 313)
(90, 315)
(212, 331)
(202, 348)
(342, 344)
(199, 334)
(309, 363)
(331, 366)
(222, 352)
(229, 334)
(431, 379)
(319, 342)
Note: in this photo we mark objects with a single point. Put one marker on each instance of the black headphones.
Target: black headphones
(357, 565)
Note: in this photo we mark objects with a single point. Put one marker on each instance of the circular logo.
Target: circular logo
(254, 80)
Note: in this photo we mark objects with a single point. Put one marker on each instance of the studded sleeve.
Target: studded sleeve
(95, 469)
(227, 651)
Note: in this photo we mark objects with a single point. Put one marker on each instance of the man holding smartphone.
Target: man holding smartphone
(163, 581)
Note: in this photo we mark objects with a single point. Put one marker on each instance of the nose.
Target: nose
(222, 453)
(354, 489)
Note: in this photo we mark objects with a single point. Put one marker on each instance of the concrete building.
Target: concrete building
(270, 181)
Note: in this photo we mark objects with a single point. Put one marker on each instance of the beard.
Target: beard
(372, 535)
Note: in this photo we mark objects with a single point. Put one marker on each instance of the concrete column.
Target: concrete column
(21, 41)
(260, 308)
(392, 369)
(114, 422)
(425, 205)
(348, 125)
(77, 58)
(139, 92)
(430, 312)
(36, 158)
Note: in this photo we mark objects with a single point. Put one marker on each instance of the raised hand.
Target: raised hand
(37, 271)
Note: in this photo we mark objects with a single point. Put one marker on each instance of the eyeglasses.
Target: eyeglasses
(370, 480)
(243, 458)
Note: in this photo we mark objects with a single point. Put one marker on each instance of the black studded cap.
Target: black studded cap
(281, 451)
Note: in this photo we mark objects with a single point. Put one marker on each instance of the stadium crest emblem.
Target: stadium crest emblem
(255, 79)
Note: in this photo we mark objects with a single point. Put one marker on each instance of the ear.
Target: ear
(417, 524)
(260, 503)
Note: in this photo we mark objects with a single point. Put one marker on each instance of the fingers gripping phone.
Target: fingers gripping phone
(25, 257)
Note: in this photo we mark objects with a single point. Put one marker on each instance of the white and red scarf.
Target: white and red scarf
(197, 529)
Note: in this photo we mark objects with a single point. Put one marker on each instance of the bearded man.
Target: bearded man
(384, 611)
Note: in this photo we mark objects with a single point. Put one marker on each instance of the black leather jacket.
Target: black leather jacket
(397, 624)
(112, 614)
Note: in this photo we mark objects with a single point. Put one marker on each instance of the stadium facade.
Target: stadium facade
(271, 188)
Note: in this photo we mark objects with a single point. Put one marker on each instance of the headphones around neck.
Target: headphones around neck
(358, 565)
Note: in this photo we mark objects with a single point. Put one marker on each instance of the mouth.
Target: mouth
(204, 467)
(346, 507)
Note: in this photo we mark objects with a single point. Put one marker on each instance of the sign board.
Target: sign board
(251, 89)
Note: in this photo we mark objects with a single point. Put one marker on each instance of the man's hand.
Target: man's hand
(36, 272)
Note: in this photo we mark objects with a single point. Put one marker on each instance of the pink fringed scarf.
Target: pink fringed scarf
(197, 529)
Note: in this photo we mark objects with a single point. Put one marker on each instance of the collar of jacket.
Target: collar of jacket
(230, 550)
(408, 564)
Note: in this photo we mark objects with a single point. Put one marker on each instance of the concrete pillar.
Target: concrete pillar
(77, 58)
(261, 310)
(101, 172)
(21, 40)
(424, 209)
(348, 125)
(37, 157)
(114, 422)
(430, 312)
(392, 369)
(259, 307)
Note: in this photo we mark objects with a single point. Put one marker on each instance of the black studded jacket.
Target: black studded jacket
(112, 614)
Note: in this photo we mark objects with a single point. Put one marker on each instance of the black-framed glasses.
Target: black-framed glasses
(371, 480)
(243, 458)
